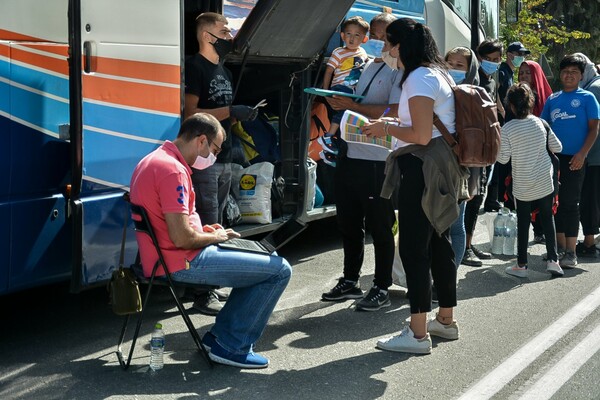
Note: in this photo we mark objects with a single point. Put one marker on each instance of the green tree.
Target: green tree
(544, 27)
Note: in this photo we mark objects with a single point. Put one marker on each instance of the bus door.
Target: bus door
(126, 100)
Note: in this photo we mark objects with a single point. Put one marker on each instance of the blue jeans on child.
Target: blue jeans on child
(336, 118)
(258, 280)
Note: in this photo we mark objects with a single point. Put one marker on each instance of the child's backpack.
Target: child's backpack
(259, 139)
(319, 125)
(477, 139)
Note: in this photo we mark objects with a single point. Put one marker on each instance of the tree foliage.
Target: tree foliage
(546, 28)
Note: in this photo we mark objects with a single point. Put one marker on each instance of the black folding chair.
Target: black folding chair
(142, 224)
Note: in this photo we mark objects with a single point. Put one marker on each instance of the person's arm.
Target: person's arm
(505, 150)
(421, 114)
(372, 111)
(554, 143)
(191, 108)
(184, 236)
(327, 77)
(578, 159)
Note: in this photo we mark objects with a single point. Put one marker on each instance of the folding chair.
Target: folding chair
(142, 224)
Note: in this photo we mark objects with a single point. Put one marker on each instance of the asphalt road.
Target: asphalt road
(535, 338)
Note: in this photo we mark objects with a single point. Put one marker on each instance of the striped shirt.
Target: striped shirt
(524, 143)
(347, 65)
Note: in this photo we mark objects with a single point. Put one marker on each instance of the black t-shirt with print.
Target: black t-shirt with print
(212, 83)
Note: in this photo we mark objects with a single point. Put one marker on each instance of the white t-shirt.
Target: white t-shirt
(427, 82)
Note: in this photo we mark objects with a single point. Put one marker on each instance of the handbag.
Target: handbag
(123, 288)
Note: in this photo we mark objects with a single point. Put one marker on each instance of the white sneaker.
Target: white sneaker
(569, 260)
(554, 268)
(405, 342)
(436, 328)
(520, 272)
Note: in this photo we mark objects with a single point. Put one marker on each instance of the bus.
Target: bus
(88, 87)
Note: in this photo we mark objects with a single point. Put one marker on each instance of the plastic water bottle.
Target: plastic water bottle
(157, 348)
(498, 239)
(510, 233)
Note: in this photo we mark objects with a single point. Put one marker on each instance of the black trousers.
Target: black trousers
(590, 201)
(472, 212)
(545, 218)
(569, 195)
(424, 253)
(359, 205)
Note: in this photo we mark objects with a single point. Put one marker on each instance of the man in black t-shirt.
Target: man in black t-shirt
(209, 89)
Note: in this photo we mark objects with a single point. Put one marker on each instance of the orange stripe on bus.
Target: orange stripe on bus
(132, 94)
(9, 35)
(41, 61)
(58, 48)
(138, 70)
(4, 50)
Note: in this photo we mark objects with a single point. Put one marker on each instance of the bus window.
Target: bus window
(462, 8)
(236, 12)
(489, 18)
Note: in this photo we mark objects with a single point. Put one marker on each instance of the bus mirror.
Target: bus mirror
(513, 7)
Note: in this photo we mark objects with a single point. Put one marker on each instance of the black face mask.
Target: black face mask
(222, 46)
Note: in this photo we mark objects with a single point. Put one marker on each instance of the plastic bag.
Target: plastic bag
(252, 190)
(398, 275)
(232, 213)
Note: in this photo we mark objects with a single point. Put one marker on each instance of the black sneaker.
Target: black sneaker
(329, 158)
(374, 300)
(343, 290)
(539, 239)
(482, 255)
(471, 259)
(207, 303)
(583, 251)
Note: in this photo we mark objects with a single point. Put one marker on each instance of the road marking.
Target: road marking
(493, 382)
(565, 368)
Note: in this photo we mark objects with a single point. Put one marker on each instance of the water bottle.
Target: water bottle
(498, 239)
(157, 347)
(510, 235)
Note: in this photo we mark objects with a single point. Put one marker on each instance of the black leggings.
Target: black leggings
(569, 195)
(424, 253)
(546, 219)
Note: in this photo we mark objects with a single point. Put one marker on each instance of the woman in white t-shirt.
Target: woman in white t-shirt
(425, 251)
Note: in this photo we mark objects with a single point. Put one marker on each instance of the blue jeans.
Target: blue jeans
(458, 235)
(258, 280)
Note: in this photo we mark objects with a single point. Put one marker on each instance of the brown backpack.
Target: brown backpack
(477, 139)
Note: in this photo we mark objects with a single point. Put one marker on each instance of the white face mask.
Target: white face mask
(391, 61)
(205, 162)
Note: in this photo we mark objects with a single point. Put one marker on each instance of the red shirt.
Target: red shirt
(162, 184)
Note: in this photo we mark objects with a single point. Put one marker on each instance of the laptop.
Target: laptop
(273, 241)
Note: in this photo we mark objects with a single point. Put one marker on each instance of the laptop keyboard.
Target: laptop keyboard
(246, 244)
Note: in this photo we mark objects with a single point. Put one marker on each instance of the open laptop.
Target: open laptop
(273, 241)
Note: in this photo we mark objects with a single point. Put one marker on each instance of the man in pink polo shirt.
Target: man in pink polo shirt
(162, 184)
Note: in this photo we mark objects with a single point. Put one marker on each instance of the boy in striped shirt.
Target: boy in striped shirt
(343, 71)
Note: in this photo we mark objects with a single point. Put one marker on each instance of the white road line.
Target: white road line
(493, 382)
(565, 368)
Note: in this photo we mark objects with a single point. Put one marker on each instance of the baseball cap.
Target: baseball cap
(517, 47)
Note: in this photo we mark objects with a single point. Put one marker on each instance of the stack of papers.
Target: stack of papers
(351, 131)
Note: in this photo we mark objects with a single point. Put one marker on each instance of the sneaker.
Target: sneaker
(554, 268)
(343, 290)
(583, 251)
(436, 328)
(569, 260)
(482, 255)
(520, 272)
(539, 239)
(374, 300)
(249, 360)
(329, 158)
(208, 341)
(471, 259)
(405, 342)
(328, 143)
(207, 303)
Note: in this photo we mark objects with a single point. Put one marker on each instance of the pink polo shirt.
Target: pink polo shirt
(162, 184)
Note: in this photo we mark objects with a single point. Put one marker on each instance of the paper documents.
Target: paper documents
(351, 131)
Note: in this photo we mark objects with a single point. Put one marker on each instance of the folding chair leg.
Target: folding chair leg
(191, 327)
(125, 364)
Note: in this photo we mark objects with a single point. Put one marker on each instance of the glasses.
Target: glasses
(217, 147)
